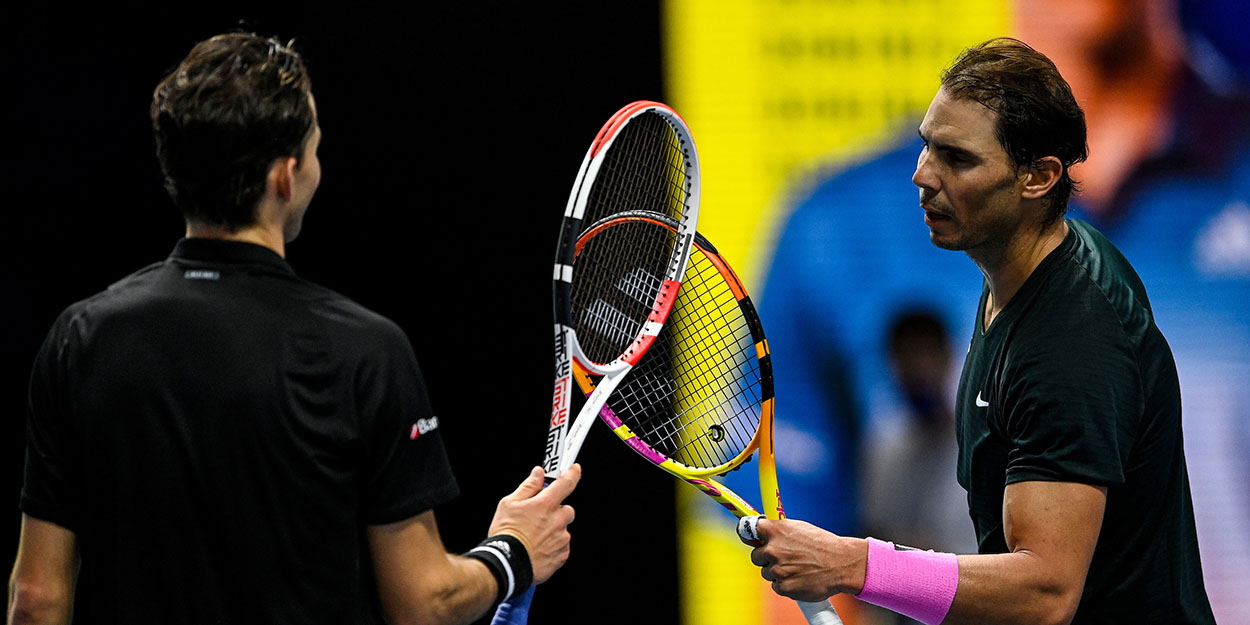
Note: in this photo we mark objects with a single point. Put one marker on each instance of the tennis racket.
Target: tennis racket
(609, 309)
(612, 298)
(699, 403)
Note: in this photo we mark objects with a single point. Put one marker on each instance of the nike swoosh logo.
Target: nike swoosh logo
(981, 403)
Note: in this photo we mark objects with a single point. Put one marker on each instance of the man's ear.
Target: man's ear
(1042, 176)
(281, 178)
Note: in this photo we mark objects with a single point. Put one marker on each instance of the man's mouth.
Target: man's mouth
(932, 216)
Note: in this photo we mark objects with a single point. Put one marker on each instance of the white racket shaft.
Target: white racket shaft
(588, 415)
(565, 440)
(816, 612)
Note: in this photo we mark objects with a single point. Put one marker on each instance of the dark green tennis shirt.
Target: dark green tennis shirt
(1073, 382)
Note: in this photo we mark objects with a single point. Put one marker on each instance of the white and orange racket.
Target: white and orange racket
(611, 299)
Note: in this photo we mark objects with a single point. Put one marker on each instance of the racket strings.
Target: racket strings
(695, 395)
(705, 435)
(646, 169)
(718, 426)
(617, 278)
(618, 274)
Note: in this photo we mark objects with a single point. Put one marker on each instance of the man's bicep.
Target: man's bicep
(1051, 529)
(46, 551)
(45, 571)
(405, 555)
(1057, 521)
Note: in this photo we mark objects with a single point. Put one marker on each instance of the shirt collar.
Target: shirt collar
(217, 251)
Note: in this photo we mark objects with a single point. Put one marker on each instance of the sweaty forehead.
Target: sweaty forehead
(959, 122)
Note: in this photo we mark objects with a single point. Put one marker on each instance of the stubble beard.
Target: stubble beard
(993, 223)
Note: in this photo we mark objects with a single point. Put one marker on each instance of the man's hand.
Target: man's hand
(539, 519)
(419, 582)
(807, 563)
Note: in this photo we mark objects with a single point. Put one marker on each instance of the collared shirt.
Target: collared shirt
(217, 431)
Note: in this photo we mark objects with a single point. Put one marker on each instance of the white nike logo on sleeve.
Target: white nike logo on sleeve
(981, 403)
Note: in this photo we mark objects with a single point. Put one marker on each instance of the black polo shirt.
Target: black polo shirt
(217, 431)
(1073, 382)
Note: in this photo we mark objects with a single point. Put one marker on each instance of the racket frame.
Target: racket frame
(815, 612)
(564, 440)
(761, 441)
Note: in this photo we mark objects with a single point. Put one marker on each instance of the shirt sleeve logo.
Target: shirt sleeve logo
(423, 426)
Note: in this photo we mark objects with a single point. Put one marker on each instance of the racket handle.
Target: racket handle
(819, 613)
(816, 612)
(516, 611)
(747, 529)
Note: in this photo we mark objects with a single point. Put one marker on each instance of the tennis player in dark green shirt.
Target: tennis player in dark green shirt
(1068, 415)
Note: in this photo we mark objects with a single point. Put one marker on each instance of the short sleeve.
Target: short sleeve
(48, 488)
(1072, 398)
(406, 468)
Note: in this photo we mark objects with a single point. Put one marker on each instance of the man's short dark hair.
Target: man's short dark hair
(1037, 114)
(236, 103)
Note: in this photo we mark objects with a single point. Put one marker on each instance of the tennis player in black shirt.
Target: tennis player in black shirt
(215, 440)
(1068, 414)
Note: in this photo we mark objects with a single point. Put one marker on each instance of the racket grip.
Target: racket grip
(819, 613)
(516, 611)
(747, 531)
(816, 612)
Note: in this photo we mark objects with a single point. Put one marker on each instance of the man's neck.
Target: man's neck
(266, 237)
(1007, 268)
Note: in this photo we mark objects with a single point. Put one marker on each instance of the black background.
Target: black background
(451, 136)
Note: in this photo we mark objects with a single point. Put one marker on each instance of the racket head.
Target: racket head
(643, 158)
(700, 402)
(714, 347)
(643, 155)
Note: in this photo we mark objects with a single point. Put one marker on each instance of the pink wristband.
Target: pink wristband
(919, 584)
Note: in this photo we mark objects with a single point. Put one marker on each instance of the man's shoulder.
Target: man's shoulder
(338, 310)
(1105, 269)
(252, 296)
(117, 296)
(1090, 292)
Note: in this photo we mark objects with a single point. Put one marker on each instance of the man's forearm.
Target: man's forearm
(464, 597)
(461, 590)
